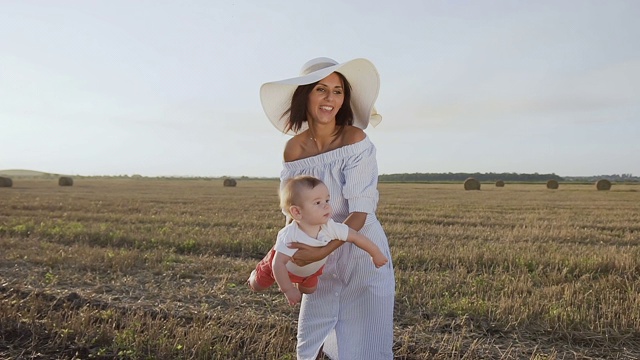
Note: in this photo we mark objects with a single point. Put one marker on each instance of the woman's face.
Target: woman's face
(325, 100)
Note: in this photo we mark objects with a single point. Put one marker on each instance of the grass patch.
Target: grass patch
(148, 268)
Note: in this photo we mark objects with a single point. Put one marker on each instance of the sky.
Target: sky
(171, 88)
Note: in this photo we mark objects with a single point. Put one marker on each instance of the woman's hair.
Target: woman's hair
(298, 110)
(293, 188)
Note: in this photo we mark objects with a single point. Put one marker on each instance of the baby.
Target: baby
(305, 199)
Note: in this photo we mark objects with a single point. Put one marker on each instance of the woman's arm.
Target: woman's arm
(356, 220)
(307, 254)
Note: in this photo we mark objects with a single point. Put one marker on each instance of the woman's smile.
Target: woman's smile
(325, 99)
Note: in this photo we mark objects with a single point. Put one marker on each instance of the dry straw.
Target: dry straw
(471, 184)
(552, 184)
(229, 182)
(603, 184)
(6, 182)
(499, 183)
(65, 181)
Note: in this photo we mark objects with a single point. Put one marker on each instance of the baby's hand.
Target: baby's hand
(379, 260)
(293, 295)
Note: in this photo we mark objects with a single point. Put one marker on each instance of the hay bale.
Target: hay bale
(65, 181)
(229, 182)
(471, 184)
(552, 184)
(603, 184)
(499, 183)
(5, 182)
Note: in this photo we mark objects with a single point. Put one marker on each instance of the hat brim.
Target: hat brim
(365, 85)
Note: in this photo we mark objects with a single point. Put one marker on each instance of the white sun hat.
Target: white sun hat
(361, 74)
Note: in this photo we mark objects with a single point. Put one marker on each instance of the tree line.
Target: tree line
(482, 177)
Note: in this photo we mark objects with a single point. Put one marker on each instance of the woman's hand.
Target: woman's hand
(306, 254)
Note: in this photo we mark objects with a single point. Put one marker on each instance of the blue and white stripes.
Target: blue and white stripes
(351, 312)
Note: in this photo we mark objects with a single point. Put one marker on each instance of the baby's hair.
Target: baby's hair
(293, 187)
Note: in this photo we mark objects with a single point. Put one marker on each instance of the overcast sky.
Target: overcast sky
(168, 88)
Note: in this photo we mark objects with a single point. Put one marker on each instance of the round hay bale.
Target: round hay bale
(603, 184)
(499, 183)
(65, 181)
(552, 184)
(471, 184)
(5, 182)
(229, 182)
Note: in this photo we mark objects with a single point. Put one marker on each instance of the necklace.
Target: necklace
(320, 147)
(315, 142)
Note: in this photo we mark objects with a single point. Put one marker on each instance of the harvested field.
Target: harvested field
(155, 269)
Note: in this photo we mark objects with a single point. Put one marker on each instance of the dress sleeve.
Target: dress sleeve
(361, 181)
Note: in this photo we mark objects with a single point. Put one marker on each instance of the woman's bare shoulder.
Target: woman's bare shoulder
(353, 135)
(294, 148)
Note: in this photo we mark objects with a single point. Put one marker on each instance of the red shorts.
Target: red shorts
(264, 273)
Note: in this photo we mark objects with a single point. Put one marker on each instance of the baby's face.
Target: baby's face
(315, 207)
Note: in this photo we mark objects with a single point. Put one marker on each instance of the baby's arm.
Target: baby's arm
(281, 274)
(306, 254)
(367, 245)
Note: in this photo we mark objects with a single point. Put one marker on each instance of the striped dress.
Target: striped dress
(351, 312)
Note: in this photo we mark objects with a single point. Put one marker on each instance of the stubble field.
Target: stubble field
(155, 269)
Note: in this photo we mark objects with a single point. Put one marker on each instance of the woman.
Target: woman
(326, 109)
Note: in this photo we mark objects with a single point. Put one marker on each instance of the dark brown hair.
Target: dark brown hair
(299, 101)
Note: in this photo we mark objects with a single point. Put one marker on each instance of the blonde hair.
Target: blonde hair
(293, 188)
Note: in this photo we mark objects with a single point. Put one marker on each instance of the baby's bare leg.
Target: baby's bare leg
(253, 283)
